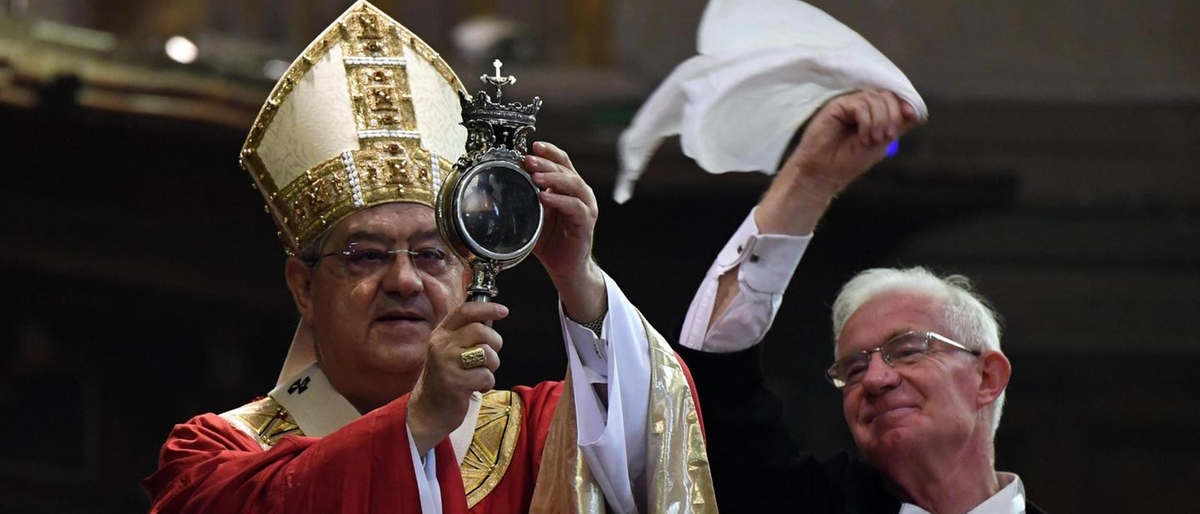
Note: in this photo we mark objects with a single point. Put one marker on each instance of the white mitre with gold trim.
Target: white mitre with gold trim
(368, 114)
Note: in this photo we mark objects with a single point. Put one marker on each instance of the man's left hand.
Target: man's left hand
(565, 246)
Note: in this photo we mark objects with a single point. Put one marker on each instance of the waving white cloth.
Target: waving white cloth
(764, 67)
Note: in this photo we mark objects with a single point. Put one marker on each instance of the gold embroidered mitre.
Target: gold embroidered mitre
(368, 114)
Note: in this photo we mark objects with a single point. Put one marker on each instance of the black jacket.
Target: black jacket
(755, 465)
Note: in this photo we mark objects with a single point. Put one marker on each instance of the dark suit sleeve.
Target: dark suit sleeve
(756, 466)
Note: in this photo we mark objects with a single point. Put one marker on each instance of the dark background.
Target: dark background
(141, 283)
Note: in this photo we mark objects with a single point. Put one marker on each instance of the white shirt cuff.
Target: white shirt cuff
(765, 264)
(612, 436)
(592, 349)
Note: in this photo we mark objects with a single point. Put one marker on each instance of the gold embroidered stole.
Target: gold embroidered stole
(497, 428)
(564, 483)
(264, 420)
(676, 458)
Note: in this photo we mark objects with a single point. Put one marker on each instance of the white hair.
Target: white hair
(973, 323)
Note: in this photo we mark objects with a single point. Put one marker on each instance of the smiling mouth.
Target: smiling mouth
(892, 414)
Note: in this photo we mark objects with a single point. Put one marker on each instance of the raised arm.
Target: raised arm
(609, 359)
(844, 139)
(565, 246)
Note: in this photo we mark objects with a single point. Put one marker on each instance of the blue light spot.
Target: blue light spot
(892, 149)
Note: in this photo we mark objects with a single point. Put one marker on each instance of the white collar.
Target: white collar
(316, 406)
(320, 410)
(1010, 499)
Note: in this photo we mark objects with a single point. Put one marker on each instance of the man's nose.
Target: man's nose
(880, 375)
(402, 276)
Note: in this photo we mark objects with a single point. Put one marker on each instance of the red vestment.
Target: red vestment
(209, 466)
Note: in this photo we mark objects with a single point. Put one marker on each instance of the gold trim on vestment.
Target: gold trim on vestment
(565, 483)
(676, 459)
(681, 480)
(264, 420)
(497, 429)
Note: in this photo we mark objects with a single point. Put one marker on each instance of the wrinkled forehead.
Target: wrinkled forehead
(394, 222)
(888, 315)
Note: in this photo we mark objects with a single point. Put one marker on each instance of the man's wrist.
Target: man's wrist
(596, 325)
(585, 298)
(421, 435)
(424, 427)
(816, 184)
(795, 202)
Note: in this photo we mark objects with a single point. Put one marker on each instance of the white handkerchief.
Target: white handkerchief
(764, 67)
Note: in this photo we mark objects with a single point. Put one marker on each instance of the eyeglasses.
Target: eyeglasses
(363, 259)
(902, 350)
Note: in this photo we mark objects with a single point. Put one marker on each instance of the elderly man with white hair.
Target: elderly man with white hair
(917, 357)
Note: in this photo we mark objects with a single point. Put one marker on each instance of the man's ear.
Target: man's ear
(299, 276)
(996, 372)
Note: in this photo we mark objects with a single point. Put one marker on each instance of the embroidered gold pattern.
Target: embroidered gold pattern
(377, 77)
(496, 433)
(678, 475)
(323, 193)
(264, 420)
(497, 429)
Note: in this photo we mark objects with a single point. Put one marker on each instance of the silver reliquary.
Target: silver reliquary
(488, 209)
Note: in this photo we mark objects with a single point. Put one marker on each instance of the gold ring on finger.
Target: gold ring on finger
(473, 358)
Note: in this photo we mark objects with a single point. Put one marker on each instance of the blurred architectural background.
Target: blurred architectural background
(141, 283)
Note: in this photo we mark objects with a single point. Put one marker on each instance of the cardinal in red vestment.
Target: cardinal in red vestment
(385, 402)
